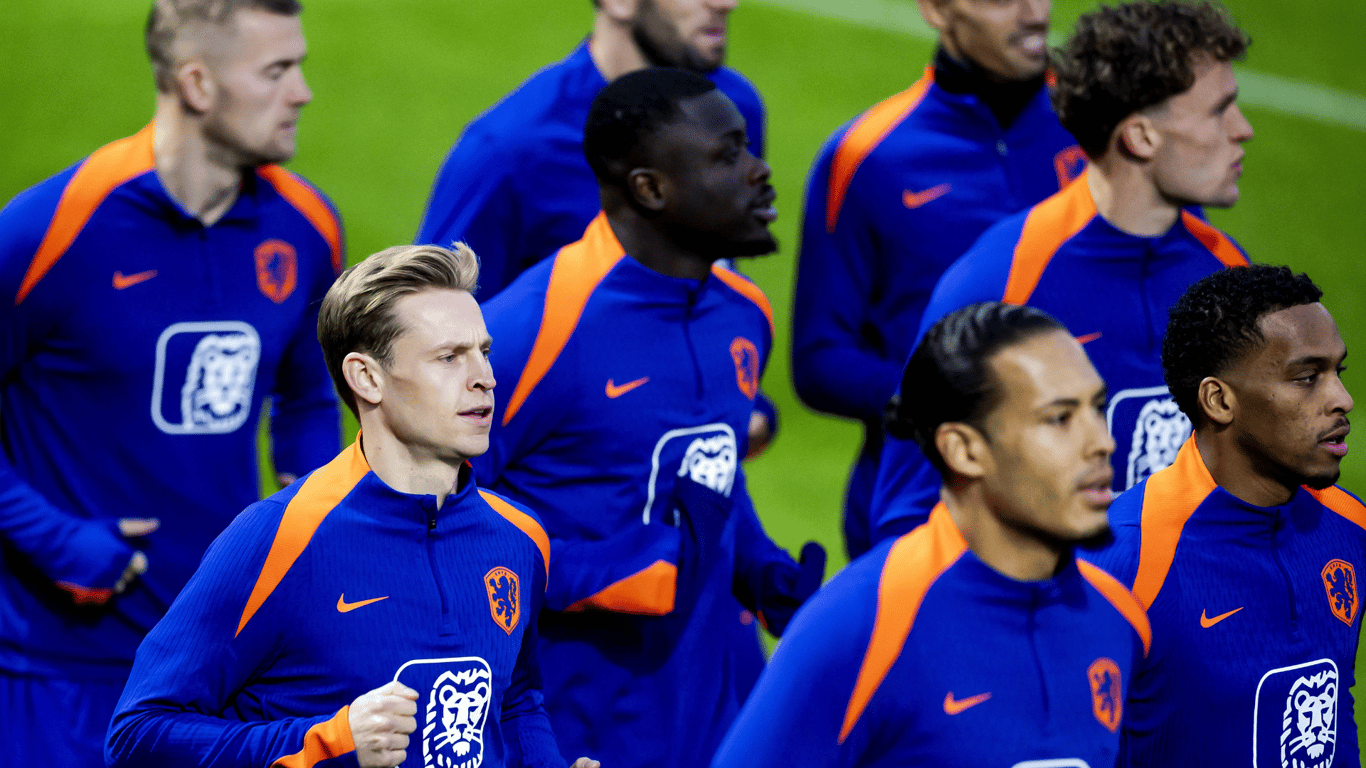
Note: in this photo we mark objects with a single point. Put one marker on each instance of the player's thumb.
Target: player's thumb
(131, 527)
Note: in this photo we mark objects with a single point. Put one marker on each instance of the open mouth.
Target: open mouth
(764, 209)
(1335, 442)
(478, 414)
(1096, 490)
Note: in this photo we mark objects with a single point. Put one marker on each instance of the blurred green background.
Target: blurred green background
(395, 82)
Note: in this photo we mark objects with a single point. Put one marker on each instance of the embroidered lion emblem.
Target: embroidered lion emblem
(1340, 582)
(504, 592)
(1107, 695)
(1309, 728)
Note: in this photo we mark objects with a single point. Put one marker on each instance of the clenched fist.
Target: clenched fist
(380, 723)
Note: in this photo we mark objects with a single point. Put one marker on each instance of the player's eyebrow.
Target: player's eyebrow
(1315, 361)
(1226, 102)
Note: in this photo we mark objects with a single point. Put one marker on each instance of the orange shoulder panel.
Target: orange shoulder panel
(1342, 503)
(1122, 599)
(649, 592)
(310, 204)
(1169, 499)
(1217, 242)
(526, 523)
(1047, 226)
(324, 741)
(863, 137)
(104, 171)
(320, 494)
(915, 561)
(578, 269)
(747, 289)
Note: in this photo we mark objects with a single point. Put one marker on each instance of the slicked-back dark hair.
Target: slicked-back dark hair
(628, 110)
(168, 16)
(949, 376)
(1125, 58)
(1214, 324)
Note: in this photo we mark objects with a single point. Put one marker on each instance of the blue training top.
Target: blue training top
(137, 347)
(332, 588)
(516, 187)
(1110, 288)
(919, 653)
(1254, 613)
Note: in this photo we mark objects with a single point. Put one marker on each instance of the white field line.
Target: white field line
(1258, 89)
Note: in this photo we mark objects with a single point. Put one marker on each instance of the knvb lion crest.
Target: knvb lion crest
(1340, 582)
(1295, 717)
(1107, 694)
(1158, 435)
(277, 269)
(746, 357)
(454, 705)
(505, 594)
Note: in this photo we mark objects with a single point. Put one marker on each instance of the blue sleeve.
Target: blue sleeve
(834, 289)
(796, 711)
(84, 557)
(767, 581)
(194, 662)
(305, 425)
(526, 726)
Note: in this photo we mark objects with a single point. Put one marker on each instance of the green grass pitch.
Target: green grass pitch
(395, 82)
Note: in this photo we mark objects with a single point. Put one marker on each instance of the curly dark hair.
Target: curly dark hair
(1215, 323)
(1129, 57)
(947, 378)
(625, 115)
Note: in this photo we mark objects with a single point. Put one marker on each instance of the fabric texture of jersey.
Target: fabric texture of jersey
(1256, 619)
(919, 653)
(894, 198)
(332, 588)
(1109, 288)
(624, 383)
(516, 186)
(137, 347)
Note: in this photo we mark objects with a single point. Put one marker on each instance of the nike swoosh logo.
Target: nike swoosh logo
(1088, 338)
(1207, 622)
(614, 391)
(345, 607)
(952, 707)
(917, 199)
(122, 281)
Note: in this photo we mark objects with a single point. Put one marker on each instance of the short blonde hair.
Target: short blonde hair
(357, 312)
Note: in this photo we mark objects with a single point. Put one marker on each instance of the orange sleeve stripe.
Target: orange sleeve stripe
(1217, 242)
(323, 741)
(523, 521)
(108, 168)
(308, 202)
(1049, 225)
(1122, 599)
(1169, 499)
(318, 496)
(1342, 503)
(646, 593)
(747, 289)
(863, 137)
(579, 268)
(914, 563)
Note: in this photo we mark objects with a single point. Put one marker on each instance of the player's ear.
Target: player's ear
(964, 449)
(1137, 136)
(195, 85)
(620, 11)
(935, 13)
(365, 377)
(648, 188)
(1217, 401)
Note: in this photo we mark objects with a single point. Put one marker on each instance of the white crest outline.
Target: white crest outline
(1257, 698)
(159, 374)
(659, 448)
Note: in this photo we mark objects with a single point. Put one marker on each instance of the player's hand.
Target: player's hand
(131, 528)
(380, 723)
(586, 762)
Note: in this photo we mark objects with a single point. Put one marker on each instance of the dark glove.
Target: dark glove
(785, 586)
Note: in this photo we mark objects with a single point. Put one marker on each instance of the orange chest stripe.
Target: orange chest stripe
(1122, 599)
(1169, 499)
(747, 289)
(310, 204)
(1218, 244)
(1047, 226)
(525, 523)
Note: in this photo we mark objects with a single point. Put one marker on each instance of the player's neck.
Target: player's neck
(406, 468)
(1008, 550)
(194, 171)
(1237, 472)
(645, 243)
(1127, 198)
(613, 49)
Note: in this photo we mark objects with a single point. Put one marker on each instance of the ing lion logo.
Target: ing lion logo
(746, 357)
(1340, 582)
(1309, 724)
(277, 269)
(504, 597)
(1107, 694)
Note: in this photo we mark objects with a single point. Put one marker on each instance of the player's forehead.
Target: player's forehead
(1043, 370)
(439, 318)
(248, 36)
(1306, 332)
(711, 113)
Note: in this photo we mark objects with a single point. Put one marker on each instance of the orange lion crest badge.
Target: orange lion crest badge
(1107, 692)
(505, 597)
(1340, 582)
(277, 270)
(746, 357)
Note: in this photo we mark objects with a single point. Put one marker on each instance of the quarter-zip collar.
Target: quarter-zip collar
(1006, 99)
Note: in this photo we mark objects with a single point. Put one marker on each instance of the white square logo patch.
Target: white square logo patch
(205, 377)
(1295, 718)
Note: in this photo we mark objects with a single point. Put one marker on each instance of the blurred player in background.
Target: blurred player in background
(1148, 90)
(433, 656)
(902, 191)
(1243, 551)
(978, 639)
(633, 362)
(155, 295)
